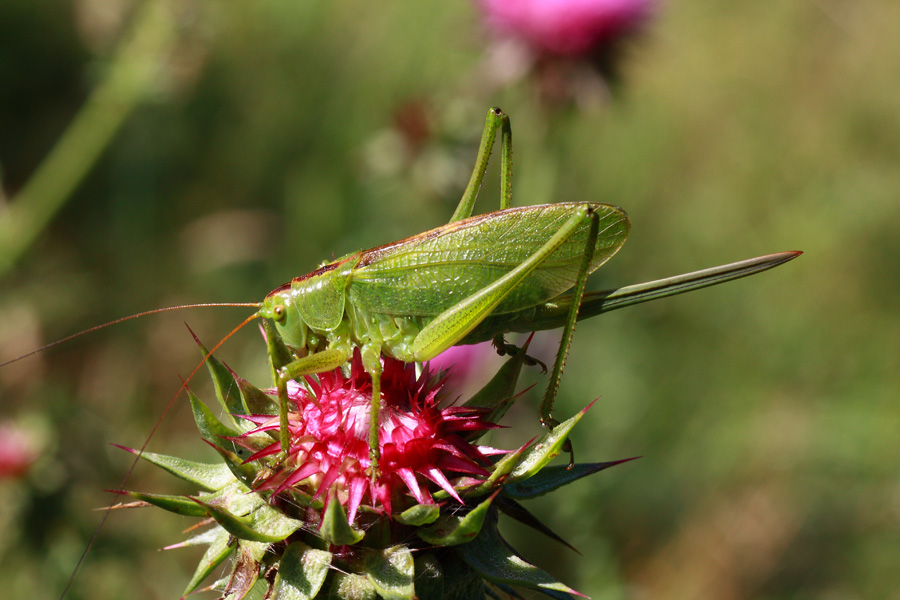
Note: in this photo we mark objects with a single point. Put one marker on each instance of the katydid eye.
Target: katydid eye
(279, 313)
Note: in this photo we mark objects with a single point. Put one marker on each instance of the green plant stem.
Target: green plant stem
(135, 66)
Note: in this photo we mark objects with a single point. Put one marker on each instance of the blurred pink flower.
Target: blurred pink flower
(17, 450)
(566, 27)
(462, 363)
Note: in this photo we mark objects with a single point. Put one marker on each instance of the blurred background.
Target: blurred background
(154, 154)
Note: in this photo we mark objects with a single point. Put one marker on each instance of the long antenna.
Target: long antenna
(159, 421)
(120, 320)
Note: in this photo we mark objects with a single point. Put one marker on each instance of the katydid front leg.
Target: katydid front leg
(328, 360)
(319, 362)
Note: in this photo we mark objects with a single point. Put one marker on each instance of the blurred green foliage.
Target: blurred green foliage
(278, 134)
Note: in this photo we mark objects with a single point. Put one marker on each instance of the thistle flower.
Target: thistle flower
(317, 523)
(570, 50)
(418, 439)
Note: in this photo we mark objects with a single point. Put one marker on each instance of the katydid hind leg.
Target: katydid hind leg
(569, 331)
(505, 163)
(496, 120)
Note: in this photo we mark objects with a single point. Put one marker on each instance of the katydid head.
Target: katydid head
(310, 304)
(275, 307)
(278, 307)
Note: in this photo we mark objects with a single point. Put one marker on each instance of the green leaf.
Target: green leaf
(176, 504)
(234, 462)
(302, 572)
(555, 477)
(246, 570)
(350, 586)
(391, 571)
(210, 476)
(518, 512)
(493, 559)
(418, 515)
(335, 529)
(214, 432)
(256, 400)
(211, 429)
(256, 550)
(236, 498)
(221, 547)
(450, 530)
(227, 391)
(429, 580)
(545, 449)
(272, 523)
(264, 524)
(489, 593)
(205, 538)
(558, 595)
(503, 467)
(499, 393)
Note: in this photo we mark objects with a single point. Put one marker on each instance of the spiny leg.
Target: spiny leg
(496, 119)
(568, 331)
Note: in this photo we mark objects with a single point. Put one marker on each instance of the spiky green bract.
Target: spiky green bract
(315, 523)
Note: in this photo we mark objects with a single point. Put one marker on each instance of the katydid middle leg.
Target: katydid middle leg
(371, 358)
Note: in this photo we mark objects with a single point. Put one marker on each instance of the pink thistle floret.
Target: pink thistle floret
(422, 445)
(566, 27)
